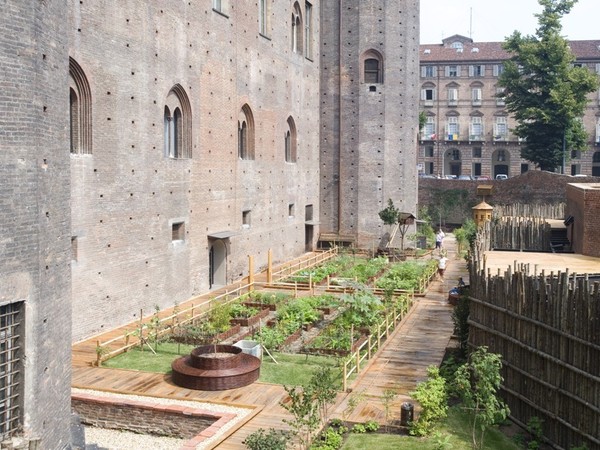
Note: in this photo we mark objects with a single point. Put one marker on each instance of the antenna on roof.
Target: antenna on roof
(471, 23)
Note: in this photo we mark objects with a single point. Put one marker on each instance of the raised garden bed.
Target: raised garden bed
(251, 321)
(181, 336)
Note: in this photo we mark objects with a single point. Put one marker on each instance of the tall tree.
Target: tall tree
(546, 93)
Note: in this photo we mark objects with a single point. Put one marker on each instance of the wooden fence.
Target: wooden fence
(547, 329)
(548, 211)
(521, 233)
(366, 351)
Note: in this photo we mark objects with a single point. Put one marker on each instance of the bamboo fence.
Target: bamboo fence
(548, 211)
(547, 329)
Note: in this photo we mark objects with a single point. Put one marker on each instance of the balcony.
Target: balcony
(476, 137)
(502, 137)
(452, 137)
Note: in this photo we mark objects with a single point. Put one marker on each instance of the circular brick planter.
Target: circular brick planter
(200, 371)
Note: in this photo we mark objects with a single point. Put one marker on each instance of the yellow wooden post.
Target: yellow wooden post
(98, 354)
(250, 273)
(270, 266)
(345, 377)
(357, 361)
(369, 347)
(378, 335)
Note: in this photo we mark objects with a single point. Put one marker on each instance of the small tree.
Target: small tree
(433, 398)
(389, 215)
(308, 405)
(544, 91)
(388, 397)
(477, 383)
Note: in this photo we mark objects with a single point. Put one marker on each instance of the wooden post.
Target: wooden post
(142, 329)
(270, 266)
(357, 361)
(369, 346)
(345, 377)
(250, 273)
(98, 354)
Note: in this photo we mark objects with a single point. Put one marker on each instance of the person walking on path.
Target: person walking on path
(439, 240)
(442, 266)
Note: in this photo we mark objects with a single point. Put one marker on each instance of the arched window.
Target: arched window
(80, 110)
(246, 133)
(297, 29)
(177, 124)
(290, 141)
(264, 7)
(372, 63)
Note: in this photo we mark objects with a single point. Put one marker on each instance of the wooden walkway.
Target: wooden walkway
(419, 342)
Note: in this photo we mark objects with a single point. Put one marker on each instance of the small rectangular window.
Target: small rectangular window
(429, 151)
(246, 219)
(477, 152)
(476, 169)
(452, 71)
(428, 71)
(178, 231)
(429, 168)
(308, 213)
(291, 211)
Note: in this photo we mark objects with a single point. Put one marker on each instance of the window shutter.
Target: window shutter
(423, 71)
(458, 71)
(483, 70)
(435, 71)
(598, 68)
(423, 94)
(447, 71)
(495, 70)
(471, 71)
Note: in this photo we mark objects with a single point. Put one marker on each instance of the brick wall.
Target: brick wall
(34, 212)
(127, 194)
(534, 187)
(583, 203)
(139, 417)
(368, 130)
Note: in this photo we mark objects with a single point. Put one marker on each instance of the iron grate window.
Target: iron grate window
(10, 368)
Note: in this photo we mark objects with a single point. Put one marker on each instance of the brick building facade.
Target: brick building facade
(165, 143)
(468, 130)
(35, 273)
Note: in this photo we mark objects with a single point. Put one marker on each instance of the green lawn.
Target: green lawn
(456, 426)
(292, 369)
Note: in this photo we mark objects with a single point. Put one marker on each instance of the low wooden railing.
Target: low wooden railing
(368, 348)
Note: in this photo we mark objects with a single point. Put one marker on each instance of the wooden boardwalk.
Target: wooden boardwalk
(418, 342)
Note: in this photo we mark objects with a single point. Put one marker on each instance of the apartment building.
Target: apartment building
(468, 130)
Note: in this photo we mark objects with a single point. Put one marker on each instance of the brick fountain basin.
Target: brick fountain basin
(215, 368)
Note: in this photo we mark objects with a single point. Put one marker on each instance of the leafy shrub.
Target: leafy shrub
(267, 440)
(330, 440)
(433, 398)
(371, 426)
(359, 428)
(239, 311)
(405, 275)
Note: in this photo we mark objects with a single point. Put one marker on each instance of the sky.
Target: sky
(494, 20)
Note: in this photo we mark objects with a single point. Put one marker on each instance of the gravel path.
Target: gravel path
(125, 440)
